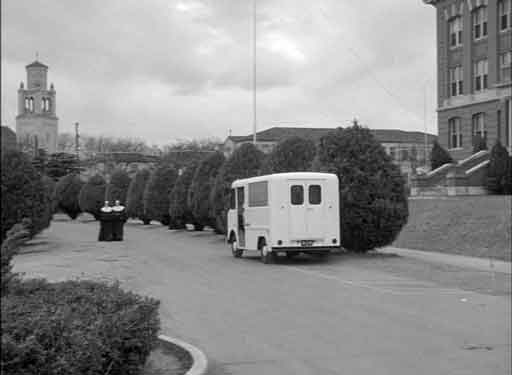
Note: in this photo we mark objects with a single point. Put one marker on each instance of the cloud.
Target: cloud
(165, 69)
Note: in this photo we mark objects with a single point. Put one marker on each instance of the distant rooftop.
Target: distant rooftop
(277, 134)
(36, 64)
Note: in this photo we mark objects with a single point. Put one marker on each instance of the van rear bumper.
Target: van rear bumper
(304, 248)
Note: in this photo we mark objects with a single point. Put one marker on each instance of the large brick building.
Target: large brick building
(474, 43)
(37, 122)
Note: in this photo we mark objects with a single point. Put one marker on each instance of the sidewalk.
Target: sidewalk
(480, 264)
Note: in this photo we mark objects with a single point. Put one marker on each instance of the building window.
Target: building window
(456, 81)
(455, 27)
(508, 123)
(455, 133)
(479, 125)
(392, 153)
(504, 66)
(480, 71)
(480, 23)
(504, 14)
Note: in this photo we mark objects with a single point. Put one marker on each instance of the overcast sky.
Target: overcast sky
(175, 69)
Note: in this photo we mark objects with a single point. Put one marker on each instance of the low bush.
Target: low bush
(92, 195)
(23, 193)
(156, 196)
(76, 327)
(15, 237)
(67, 192)
(439, 156)
(118, 186)
(135, 196)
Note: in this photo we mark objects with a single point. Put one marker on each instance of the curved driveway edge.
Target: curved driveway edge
(199, 361)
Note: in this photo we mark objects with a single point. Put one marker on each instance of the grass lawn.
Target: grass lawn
(477, 226)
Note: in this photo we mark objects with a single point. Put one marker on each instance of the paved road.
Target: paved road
(373, 314)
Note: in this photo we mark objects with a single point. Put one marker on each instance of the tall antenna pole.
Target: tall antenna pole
(254, 125)
(425, 120)
(77, 141)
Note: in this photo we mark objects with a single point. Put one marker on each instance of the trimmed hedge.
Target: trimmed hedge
(23, 194)
(245, 162)
(294, 154)
(118, 186)
(179, 210)
(135, 196)
(373, 200)
(201, 187)
(15, 237)
(76, 327)
(156, 195)
(439, 156)
(92, 195)
(49, 186)
(67, 192)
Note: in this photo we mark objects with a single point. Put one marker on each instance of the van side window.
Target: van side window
(297, 194)
(315, 194)
(232, 200)
(258, 194)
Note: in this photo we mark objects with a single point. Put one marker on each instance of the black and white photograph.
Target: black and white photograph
(256, 187)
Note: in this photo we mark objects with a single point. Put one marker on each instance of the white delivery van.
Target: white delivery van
(288, 213)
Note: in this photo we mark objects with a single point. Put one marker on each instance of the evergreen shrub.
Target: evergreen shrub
(294, 154)
(201, 187)
(118, 186)
(373, 199)
(135, 196)
(67, 192)
(179, 210)
(246, 161)
(156, 195)
(92, 195)
(439, 156)
(499, 170)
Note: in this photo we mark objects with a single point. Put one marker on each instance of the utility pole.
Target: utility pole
(254, 125)
(77, 141)
(425, 120)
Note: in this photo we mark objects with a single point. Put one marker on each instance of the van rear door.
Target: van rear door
(315, 210)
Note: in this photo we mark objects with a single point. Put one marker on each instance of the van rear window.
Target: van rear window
(258, 194)
(315, 194)
(297, 194)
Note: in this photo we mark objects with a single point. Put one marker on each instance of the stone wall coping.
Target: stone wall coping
(477, 167)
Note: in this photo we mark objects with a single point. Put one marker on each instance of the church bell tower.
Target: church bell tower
(37, 122)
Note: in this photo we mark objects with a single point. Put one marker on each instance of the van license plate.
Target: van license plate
(305, 243)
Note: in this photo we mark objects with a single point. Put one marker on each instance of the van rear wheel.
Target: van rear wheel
(237, 253)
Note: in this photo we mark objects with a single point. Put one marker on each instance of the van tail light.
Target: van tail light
(334, 240)
(279, 242)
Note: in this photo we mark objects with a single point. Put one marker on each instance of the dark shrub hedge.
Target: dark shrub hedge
(156, 195)
(49, 186)
(246, 161)
(15, 237)
(179, 210)
(118, 186)
(67, 192)
(92, 195)
(499, 170)
(292, 155)
(23, 193)
(201, 187)
(439, 156)
(135, 196)
(76, 327)
(373, 200)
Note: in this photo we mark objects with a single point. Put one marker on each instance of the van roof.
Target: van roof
(286, 176)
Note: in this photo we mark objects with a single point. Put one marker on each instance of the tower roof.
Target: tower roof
(36, 64)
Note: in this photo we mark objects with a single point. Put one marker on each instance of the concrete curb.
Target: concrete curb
(480, 264)
(199, 361)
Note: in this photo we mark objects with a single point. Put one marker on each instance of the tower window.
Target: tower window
(479, 125)
(456, 81)
(504, 66)
(480, 23)
(31, 104)
(455, 27)
(504, 14)
(455, 133)
(43, 104)
(480, 72)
